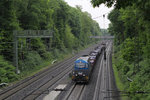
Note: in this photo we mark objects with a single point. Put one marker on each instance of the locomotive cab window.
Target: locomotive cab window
(81, 65)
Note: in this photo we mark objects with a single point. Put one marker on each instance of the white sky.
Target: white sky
(95, 12)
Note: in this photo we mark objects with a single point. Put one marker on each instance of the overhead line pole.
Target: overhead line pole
(27, 34)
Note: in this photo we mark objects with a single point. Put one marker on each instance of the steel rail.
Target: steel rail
(76, 92)
(100, 83)
(47, 85)
(30, 81)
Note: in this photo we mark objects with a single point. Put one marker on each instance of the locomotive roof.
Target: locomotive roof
(83, 58)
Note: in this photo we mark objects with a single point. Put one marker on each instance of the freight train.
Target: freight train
(84, 65)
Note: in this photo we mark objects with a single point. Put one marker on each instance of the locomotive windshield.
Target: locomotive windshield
(81, 65)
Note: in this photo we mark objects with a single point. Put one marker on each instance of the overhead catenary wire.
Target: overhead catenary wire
(104, 21)
(101, 15)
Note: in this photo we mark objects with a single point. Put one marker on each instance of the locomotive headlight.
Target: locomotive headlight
(83, 74)
(76, 75)
(87, 78)
(73, 77)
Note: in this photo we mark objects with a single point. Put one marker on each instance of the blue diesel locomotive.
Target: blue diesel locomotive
(82, 70)
(84, 65)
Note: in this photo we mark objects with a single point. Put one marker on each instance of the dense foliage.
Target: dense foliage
(71, 30)
(130, 24)
(6, 69)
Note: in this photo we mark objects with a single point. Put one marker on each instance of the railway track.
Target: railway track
(75, 92)
(102, 86)
(34, 82)
(99, 86)
(107, 85)
(107, 76)
(112, 91)
(104, 80)
(26, 83)
(27, 88)
(47, 85)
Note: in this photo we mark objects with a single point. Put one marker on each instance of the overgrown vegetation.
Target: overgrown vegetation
(6, 69)
(71, 28)
(130, 24)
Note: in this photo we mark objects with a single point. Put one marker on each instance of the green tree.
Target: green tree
(71, 30)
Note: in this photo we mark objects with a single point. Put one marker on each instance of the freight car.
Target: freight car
(92, 60)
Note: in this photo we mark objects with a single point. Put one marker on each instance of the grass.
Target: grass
(45, 65)
(119, 83)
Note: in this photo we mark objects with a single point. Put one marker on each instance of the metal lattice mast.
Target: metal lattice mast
(28, 34)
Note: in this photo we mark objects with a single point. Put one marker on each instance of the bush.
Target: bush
(7, 71)
(47, 56)
(56, 53)
(32, 60)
